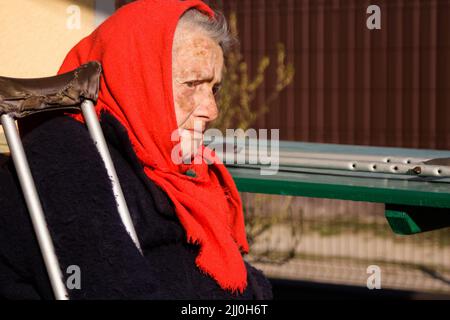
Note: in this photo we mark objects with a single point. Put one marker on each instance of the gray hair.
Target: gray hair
(217, 28)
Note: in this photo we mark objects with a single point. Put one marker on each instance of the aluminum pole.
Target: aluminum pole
(97, 136)
(34, 207)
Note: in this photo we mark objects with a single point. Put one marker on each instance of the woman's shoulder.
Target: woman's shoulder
(57, 135)
(18, 248)
(9, 197)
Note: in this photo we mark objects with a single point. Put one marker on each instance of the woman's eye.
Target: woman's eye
(216, 89)
(191, 84)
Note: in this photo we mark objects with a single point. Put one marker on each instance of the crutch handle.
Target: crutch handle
(22, 97)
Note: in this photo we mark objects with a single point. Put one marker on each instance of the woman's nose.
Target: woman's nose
(208, 109)
(213, 110)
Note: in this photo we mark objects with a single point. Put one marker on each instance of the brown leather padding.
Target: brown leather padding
(22, 97)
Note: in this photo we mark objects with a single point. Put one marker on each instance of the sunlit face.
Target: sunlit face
(197, 64)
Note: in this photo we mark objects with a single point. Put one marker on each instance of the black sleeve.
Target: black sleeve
(16, 244)
(261, 287)
(80, 209)
(13, 285)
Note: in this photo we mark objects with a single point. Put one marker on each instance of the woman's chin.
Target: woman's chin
(190, 147)
(188, 154)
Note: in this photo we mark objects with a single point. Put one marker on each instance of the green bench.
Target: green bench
(413, 204)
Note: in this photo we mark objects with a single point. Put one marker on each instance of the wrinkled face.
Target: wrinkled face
(197, 63)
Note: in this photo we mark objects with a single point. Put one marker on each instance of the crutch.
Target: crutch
(22, 97)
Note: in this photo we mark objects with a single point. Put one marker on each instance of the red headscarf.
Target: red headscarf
(134, 47)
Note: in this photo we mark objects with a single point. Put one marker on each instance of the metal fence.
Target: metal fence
(335, 241)
(386, 87)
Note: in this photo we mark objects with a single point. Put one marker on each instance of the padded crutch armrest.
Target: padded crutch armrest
(22, 97)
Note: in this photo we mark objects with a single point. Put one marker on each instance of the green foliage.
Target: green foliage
(260, 223)
(238, 91)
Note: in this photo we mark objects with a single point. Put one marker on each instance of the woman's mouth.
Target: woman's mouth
(197, 131)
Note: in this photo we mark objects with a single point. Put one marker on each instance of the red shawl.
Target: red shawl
(134, 47)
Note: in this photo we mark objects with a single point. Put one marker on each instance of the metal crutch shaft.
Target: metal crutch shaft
(34, 207)
(93, 125)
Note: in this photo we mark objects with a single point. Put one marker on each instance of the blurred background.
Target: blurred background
(317, 72)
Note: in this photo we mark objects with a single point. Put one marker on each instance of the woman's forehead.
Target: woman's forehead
(195, 45)
(198, 54)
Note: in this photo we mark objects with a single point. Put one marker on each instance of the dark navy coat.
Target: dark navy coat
(79, 205)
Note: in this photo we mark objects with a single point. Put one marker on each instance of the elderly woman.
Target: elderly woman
(162, 66)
